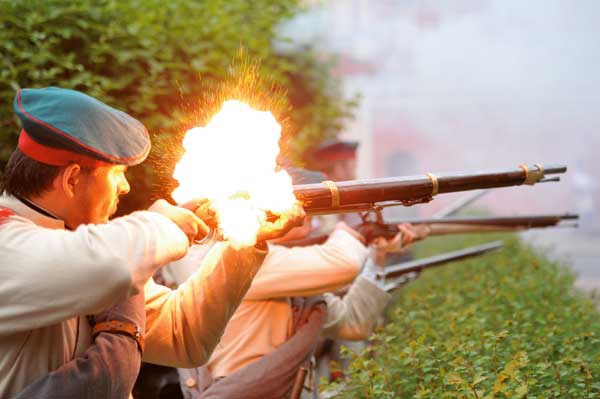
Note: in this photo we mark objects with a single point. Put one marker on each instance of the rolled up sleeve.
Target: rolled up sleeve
(311, 270)
(353, 316)
(183, 326)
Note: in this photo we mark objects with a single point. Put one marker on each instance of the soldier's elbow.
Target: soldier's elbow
(115, 275)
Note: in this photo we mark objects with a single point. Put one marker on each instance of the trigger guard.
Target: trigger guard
(208, 238)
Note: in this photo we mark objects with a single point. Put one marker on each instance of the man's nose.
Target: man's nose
(124, 186)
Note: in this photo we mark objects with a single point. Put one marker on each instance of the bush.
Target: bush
(160, 61)
(508, 325)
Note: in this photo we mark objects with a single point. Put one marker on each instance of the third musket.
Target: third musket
(418, 265)
(356, 195)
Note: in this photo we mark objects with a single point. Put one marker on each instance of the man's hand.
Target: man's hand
(407, 234)
(344, 226)
(193, 227)
(284, 223)
(411, 233)
(201, 207)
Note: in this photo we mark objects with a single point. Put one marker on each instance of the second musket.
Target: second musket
(331, 197)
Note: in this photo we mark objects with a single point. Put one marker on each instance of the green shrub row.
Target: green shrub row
(167, 63)
(508, 325)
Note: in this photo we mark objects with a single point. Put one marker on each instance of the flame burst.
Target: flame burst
(232, 162)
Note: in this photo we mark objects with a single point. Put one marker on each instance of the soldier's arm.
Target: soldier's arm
(52, 275)
(185, 325)
(312, 270)
(107, 369)
(353, 316)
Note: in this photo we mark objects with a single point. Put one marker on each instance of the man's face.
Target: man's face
(98, 197)
(342, 170)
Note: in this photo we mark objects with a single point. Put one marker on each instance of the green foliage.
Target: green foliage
(508, 325)
(160, 61)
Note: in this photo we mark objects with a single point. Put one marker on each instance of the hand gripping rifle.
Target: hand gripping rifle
(398, 274)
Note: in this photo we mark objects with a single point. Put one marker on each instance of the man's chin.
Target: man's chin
(113, 209)
(109, 216)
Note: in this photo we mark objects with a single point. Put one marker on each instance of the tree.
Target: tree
(167, 64)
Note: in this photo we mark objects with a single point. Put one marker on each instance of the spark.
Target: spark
(232, 162)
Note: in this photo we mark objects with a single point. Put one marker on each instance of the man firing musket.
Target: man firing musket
(64, 261)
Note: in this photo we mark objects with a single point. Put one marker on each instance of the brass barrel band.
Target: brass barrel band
(526, 170)
(207, 238)
(532, 176)
(435, 185)
(335, 193)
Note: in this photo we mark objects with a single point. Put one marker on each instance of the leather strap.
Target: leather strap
(120, 327)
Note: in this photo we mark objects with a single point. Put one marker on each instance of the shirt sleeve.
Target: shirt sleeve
(48, 276)
(353, 316)
(183, 326)
(311, 270)
(179, 271)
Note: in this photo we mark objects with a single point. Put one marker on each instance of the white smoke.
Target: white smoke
(476, 84)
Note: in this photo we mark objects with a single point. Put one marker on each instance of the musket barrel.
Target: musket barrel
(420, 264)
(553, 169)
(508, 221)
(320, 197)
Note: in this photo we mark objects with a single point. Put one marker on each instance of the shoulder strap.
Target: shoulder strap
(301, 309)
(273, 376)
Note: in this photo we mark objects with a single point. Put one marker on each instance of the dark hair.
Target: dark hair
(26, 177)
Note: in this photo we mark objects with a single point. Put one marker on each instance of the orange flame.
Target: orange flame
(232, 162)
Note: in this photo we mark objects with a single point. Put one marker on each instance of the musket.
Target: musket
(372, 195)
(461, 225)
(400, 271)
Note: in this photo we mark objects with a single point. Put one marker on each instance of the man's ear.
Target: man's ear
(69, 179)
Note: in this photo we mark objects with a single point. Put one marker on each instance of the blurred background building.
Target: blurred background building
(475, 84)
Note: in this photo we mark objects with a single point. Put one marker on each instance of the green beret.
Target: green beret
(62, 126)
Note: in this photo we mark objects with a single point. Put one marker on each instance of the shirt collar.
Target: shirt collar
(18, 207)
